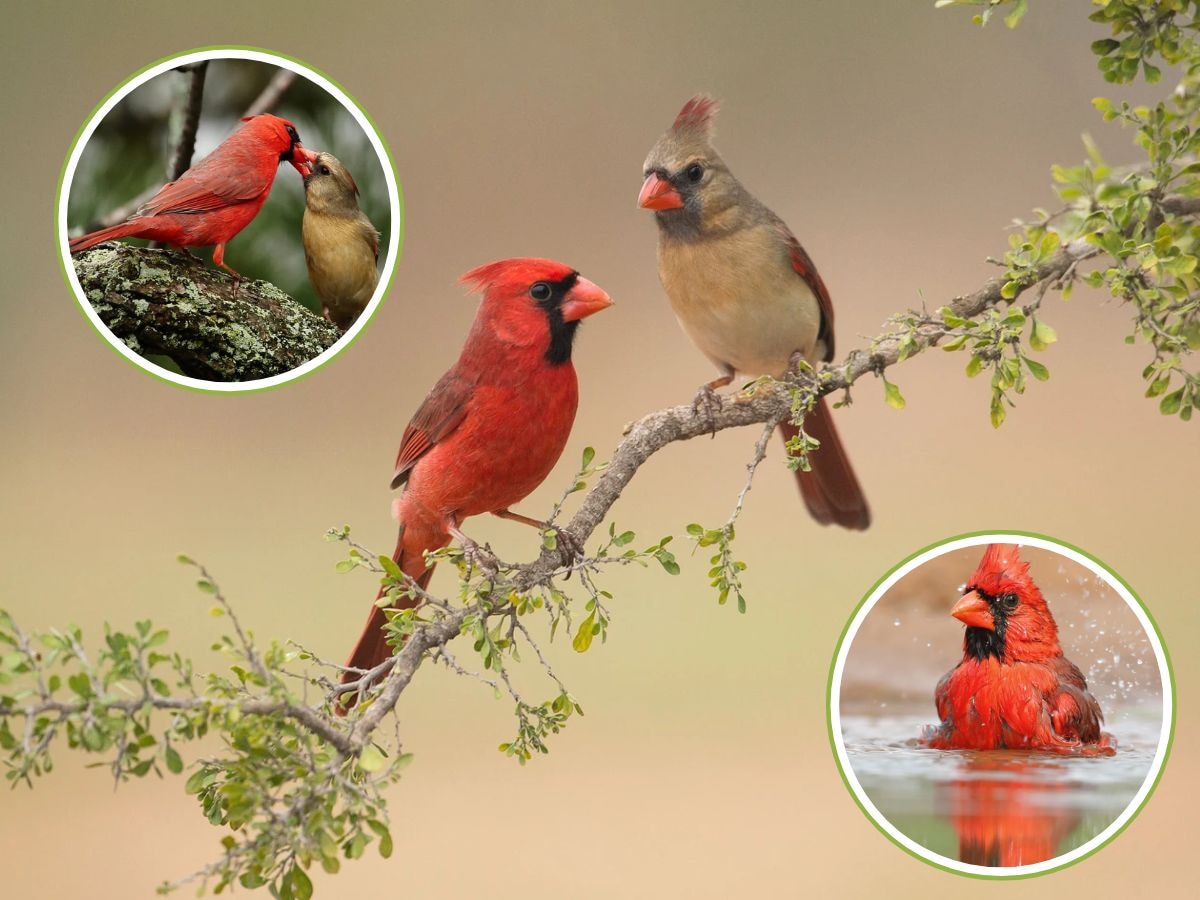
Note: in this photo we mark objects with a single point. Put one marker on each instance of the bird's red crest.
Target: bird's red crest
(1001, 563)
(524, 270)
(697, 115)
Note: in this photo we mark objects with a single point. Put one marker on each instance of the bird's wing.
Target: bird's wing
(441, 412)
(212, 183)
(1074, 712)
(941, 695)
(803, 265)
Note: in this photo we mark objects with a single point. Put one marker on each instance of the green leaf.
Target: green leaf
(385, 836)
(1041, 335)
(997, 412)
(1036, 369)
(974, 366)
(892, 396)
(173, 760)
(302, 886)
(583, 637)
(589, 453)
(372, 759)
(1169, 405)
(1018, 12)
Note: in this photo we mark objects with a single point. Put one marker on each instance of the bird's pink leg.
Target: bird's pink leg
(472, 552)
(219, 260)
(707, 397)
(569, 546)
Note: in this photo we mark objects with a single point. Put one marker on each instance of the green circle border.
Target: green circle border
(398, 226)
(830, 687)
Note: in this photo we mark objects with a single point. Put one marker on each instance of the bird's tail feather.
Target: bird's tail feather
(830, 490)
(372, 647)
(86, 241)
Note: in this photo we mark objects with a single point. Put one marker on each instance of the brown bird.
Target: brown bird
(341, 246)
(744, 291)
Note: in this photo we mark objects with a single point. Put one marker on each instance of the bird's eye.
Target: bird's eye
(1008, 602)
(540, 292)
(324, 170)
(694, 172)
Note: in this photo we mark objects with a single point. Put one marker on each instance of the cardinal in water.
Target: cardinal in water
(341, 246)
(218, 196)
(744, 291)
(1014, 688)
(494, 426)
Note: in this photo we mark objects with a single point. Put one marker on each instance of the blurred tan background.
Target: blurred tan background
(896, 140)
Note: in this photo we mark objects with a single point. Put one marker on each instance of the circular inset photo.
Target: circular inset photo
(229, 219)
(1001, 705)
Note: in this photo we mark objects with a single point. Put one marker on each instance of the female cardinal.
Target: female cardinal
(341, 246)
(744, 291)
(218, 196)
(494, 426)
(1013, 688)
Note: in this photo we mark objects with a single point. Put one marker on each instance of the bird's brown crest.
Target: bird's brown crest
(697, 115)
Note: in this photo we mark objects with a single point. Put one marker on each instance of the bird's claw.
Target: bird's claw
(481, 558)
(710, 401)
(570, 548)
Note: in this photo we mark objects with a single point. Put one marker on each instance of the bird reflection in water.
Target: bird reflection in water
(1008, 810)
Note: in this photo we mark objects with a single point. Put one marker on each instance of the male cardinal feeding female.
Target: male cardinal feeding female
(341, 246)
(744, 291)
(218, 196)
(1014, 688)
(494, 426)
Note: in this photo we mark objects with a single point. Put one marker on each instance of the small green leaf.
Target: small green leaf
(1042, 335)
(892, 396)
(583, 637)
(1036, 369)
(371, 759)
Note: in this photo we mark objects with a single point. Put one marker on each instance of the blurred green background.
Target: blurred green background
(131, 149)
(896, 140)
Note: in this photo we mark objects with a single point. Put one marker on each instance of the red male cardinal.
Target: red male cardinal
(218, 196)
(1013, 688)
(494, 426)
(744, 291)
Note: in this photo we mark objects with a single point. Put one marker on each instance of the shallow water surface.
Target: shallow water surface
(1000, 807)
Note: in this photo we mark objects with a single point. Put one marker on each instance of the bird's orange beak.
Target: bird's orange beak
(973, 610)
(302, 160)
(658, 193)
(584, 299)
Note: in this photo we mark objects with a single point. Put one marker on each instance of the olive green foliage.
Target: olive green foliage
(289, 786)
(1130, 230)
(131, 149)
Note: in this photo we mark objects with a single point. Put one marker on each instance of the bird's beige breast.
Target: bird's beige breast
(740, 301)
(341, 259)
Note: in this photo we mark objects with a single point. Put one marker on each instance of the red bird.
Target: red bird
(493, 427)
(744, 291)
(218, 196)
(1014, 688)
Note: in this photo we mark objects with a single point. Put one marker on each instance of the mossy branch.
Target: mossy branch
(168, 303)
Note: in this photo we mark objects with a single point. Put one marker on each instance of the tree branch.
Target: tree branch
(169, 303)
(185, 147)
